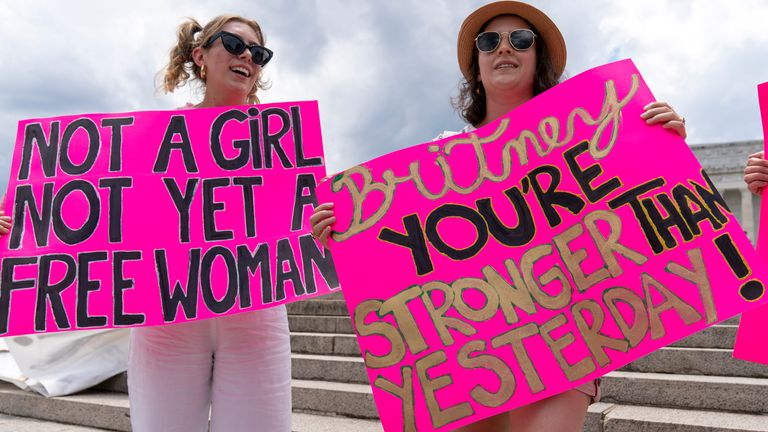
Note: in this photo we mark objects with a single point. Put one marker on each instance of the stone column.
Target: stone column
(747, 216)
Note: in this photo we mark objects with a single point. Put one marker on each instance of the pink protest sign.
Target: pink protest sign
(151, 218)
(750, 339)
(496, 268)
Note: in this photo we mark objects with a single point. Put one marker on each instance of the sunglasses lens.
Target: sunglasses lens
(521, 39)
(260, 55)
(487, 41)
(233, 44)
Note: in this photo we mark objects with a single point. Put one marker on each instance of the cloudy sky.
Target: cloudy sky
(383, 71)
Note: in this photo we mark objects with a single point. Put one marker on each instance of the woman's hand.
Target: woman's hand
(756, 172)
(661, 113)
(322, 219)
(5, 221)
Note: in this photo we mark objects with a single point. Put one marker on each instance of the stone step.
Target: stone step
(95, 409)
(320, 324)
(336, 295)
(610, 417)
(24, 424)
(301, 422)
(356, 399)
(330, 316)
(106, 410)
(324, 343)
(309, 422)
(686, 391)
(329, 368)
(695, 392)
(340, 369)
(701, 392)
(628, 418)
(681, 358)
(718, 336)
(351, 369)
(353, 400)
(697, 361)
(334, 305)
(315, 341)
(595, 416)
(116, 384)
(318, 306)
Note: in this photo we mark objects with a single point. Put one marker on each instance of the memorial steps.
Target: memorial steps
(693, 386)
(24, 424)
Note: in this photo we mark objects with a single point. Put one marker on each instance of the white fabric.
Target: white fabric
(447, 133)
(238, 365)
(9, 369)
(57, 364)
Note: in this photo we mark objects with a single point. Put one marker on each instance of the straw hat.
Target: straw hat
(547, 30)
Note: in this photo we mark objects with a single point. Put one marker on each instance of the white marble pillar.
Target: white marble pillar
(747, 216)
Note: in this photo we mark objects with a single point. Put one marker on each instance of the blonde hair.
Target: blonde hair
(190, 35)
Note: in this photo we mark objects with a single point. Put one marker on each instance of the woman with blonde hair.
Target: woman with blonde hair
(509, 52)
(236, 368)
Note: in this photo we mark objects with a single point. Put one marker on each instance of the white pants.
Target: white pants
(237, 366)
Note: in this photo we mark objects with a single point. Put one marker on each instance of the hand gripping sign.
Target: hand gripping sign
(560, 242)
(151, 218)
(751, 340)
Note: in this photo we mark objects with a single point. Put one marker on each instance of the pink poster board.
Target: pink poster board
(492, 269)
(150, 218)
(750, 340)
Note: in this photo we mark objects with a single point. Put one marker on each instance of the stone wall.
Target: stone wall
(724, 163)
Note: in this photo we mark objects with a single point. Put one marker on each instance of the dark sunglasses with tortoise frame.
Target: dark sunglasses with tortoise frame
(235, 45)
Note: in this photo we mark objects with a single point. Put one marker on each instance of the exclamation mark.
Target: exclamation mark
(751, 290)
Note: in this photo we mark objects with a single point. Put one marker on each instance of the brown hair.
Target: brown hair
(181, 66)
(471, 100)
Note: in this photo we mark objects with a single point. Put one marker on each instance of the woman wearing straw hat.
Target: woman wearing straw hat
(508, 53)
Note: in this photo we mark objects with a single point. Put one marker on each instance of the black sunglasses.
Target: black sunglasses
(520, 39)
(236, 45)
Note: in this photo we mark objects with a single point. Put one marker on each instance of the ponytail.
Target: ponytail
(176, 72)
